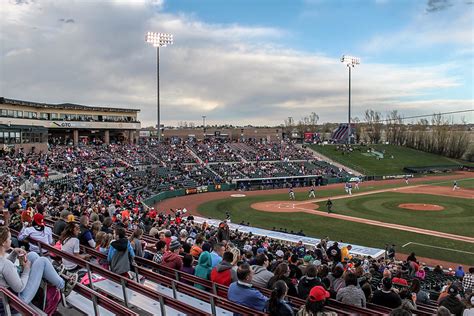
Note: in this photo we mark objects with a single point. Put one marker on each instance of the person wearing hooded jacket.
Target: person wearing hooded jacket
(203, 268)
(121, 253)
(308, 281)
(261, 274)
(223, 272)
(172, 259)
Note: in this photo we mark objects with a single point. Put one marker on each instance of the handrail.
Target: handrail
(9, 298)
(163, 299)
(104, 301)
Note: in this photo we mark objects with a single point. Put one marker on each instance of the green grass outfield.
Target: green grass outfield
(369, 165)
(457, 219)
(462, 183)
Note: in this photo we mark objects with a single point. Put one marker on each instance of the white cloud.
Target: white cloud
(230, 73)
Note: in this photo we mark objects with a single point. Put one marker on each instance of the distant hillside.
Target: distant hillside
(373, 163)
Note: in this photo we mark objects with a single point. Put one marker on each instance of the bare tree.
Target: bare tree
(374, 126)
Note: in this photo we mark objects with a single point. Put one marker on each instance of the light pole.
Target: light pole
(204, 125)
(350, 62)
(158, 40)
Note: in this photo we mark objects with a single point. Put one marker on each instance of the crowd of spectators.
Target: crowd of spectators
(104, 210)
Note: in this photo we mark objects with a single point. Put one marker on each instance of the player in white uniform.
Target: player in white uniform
(357, 183)
(291, 194)
(311, 193)
(455, 185)
(349, 188)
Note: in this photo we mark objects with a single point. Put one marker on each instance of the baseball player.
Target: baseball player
(329, 205)
(406, 179)
(291, 194)
(346, 187)
(349, 188)
(311, 193)
(357, 183)
(455, 185)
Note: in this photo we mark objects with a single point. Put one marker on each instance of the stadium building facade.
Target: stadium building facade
(31, 125)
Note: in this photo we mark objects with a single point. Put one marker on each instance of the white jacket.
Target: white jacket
(45, 236)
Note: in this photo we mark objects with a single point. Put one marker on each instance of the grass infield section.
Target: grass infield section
(370, 165)
(359, 233)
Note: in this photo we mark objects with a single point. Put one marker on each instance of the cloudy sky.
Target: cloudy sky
(241, 62)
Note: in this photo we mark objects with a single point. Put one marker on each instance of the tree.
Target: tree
(374, 126)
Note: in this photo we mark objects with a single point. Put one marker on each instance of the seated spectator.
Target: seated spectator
(459, 272)
(421, 273)
(33, 269)
(278, 259)
(306, 261)
(443, 311)
(120, 256)
(107, 225)
(172, 259)
(386, 296)
(196, 249)
(217, 253)
(315, 303)
(261, 274)
(135, 241)
(400, 312)
(468, 281)
(337, 281)
(282, 272)
(38, 231)
(295, 272)
(408, 302)
(399, 280)
(469, 311)
(223, 272)
(421, 296)
(345, 255)
(160, 251)
(351, 294)
(188, 265)
(308, 281)
(86, 238)
(61, 223)
(276, 305)
(70, 244)
(241, 292)
(452, 302)
(203, 268)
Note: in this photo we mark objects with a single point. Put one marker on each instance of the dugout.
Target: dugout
(433, 169)
(279, 182)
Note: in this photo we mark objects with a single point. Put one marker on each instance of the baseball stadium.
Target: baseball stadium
(318, 183)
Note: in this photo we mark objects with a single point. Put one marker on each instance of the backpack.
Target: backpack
(53, 297)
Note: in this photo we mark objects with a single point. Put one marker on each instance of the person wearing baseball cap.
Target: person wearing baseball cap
(172, 259)
(38, 231)
(452, 302)
(315, 302)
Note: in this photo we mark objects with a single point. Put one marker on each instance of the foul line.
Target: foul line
(416, 243)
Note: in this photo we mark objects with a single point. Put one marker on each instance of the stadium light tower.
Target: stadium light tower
(350, 62)
(158, 40)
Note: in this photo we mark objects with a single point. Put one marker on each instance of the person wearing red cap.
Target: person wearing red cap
(37, 231)
(315, 303)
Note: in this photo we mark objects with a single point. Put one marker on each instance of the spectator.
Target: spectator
(408, 302)
(277, 306)
(351, 294)
(308, 281)
(345, 255)
(278, 259)
(452, 302)
(400, 312)
(421, 296)
(399, 280)
(196, 249)
(241, 292)
(135, 241)
(70, 244)
(459, 273)
(38, 231)
(217, 253)
(469, 311)
(33, 269)
(295, 272)
(188, 264)
(260, 269)
(334, 253)
(386, 296)
(172, 259)
(223, 272)
(468, 281)
(282, 272)
(106, 225)
(120, 256)
(306, 261)
(86, 237)
(203, 268)
(160, 251)
(443, 311)
(337, 281)
(61, 223)
(315, 303)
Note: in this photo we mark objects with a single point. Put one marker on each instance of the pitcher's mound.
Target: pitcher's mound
(421, 207)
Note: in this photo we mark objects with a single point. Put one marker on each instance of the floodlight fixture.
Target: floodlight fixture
(158, 40)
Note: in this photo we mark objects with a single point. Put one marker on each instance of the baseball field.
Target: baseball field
(425, 216)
